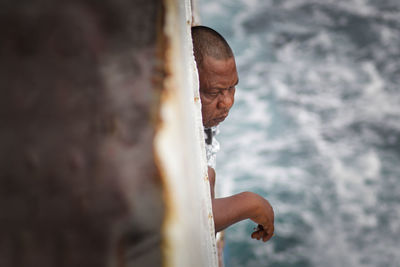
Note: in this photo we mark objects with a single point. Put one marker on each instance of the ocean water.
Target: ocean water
(315, 129)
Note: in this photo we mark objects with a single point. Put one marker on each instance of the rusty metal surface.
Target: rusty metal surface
(78, 182)
(179, 145)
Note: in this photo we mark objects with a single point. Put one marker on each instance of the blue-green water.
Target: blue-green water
(315, 129)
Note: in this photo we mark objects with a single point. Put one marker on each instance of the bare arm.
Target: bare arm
(246, 205)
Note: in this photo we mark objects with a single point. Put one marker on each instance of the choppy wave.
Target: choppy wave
(315, 129)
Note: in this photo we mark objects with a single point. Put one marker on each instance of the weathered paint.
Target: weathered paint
(189, 226)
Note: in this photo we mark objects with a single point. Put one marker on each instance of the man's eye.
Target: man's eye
(213, 94)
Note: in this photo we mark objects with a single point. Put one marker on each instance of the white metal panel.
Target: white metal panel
(179, 144)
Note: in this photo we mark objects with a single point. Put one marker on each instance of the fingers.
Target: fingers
(260, 235)
(269, 234)
(257, 234)
(263, 234)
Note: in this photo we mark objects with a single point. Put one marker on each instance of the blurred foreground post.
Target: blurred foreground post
(78, 181)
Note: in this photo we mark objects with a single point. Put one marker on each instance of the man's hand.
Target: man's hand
(265, 219)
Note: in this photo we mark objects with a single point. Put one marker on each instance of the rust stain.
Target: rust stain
(163, 94)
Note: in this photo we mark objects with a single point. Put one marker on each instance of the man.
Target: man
(218, 78)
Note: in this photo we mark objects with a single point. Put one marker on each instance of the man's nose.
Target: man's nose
(225, 101)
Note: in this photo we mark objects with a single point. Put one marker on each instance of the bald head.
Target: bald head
(217, 74)
(207, 42)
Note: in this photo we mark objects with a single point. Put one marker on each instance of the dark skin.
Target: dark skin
(242, 206)
(218, 79)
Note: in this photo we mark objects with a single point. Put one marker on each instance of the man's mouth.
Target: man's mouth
(220, 119)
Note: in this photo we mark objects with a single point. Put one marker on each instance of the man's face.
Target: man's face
(218, 79)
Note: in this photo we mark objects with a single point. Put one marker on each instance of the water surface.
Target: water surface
(315, 129)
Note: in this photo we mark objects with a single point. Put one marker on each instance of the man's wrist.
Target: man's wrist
(252, 204)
